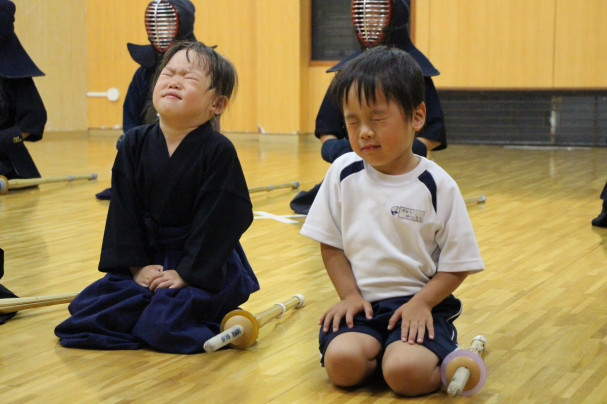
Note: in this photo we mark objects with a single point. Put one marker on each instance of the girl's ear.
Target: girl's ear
(220, 103)
(419, 117)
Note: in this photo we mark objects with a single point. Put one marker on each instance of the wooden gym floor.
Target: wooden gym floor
(541, 303)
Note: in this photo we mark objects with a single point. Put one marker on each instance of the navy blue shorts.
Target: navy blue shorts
(445, 334)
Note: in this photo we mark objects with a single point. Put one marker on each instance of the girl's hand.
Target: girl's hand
(348, 308)
(145, 275)
(416, 317)
(168, 279)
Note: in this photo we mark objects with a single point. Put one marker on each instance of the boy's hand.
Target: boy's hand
(348, 307)
(167, 279)
(145, 275)
(416, 316)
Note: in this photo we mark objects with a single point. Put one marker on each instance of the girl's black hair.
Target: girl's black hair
(389, 70)
(223, 74)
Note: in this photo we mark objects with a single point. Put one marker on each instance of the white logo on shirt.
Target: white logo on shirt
(408, 213)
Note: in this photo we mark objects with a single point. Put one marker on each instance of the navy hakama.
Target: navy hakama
(117, 313)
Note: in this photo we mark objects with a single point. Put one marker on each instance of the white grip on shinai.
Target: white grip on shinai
(223, 338)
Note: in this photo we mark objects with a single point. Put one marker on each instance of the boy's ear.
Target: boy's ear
(419, 117)
(220, 103)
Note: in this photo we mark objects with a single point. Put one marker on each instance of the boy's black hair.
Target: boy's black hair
(223, 74)
(390, 70)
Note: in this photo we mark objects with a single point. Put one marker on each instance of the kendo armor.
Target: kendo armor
(168, 20)
(375, 20)
(161, 24)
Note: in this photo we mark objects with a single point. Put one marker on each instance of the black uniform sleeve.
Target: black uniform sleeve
(124, 240)
(26, 106)
(329, 120)
(134, 102)
(333, 148)
(434, 129)
(222, 213)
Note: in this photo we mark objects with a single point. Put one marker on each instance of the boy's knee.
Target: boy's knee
(351, 358)
(344, 367)
(408, 378)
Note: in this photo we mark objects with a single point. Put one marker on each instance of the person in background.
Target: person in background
(601, 219)
(4, 292)
(166, 21)
(394, 32)
(22, 112)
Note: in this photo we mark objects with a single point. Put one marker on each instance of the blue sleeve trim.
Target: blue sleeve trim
(351, 169)
(428, 181)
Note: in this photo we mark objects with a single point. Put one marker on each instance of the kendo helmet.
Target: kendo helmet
(385, 22)
(169, 20)
(377, 22)
(166, 21)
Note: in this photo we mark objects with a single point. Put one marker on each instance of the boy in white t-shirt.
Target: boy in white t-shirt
(395, 235)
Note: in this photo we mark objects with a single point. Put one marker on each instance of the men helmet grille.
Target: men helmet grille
(370, 18)
(161, 24)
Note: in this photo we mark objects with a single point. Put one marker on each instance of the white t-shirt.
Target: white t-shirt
(394, 232)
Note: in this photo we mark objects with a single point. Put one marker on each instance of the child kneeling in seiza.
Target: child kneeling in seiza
(179, 206)
(395, 235)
